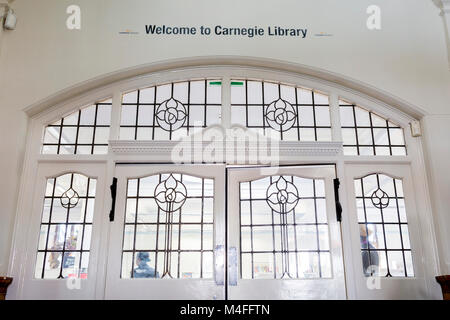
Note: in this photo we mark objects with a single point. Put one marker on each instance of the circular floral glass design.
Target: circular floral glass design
(171, 115)
(280, 115)
(69, 199)
(170, 194)
(380, 199)
(282, 196)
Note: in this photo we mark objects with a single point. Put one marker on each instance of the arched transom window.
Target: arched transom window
(175, 110)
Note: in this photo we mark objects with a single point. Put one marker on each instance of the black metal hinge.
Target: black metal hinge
(113, 189)
(336, 198)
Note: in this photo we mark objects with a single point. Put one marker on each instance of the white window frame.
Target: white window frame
(294, 153)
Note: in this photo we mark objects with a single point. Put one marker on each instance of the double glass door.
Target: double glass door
(208, 232)
(218, 232)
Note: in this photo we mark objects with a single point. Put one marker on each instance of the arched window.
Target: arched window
(85, 131)
(113, 205)
(366, 133)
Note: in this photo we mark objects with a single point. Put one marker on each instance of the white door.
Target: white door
(284, 237)
(64, 235)
(386, 242)
(169, 221)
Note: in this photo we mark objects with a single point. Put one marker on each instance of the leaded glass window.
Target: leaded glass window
(279, 110)
(66, 227)
(170, 111)
(85, 131)
(284, 229)
(384, 234)
(366, 133)
(168, 229)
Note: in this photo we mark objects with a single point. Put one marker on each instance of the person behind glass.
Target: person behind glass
(369, 255)
(143, 270)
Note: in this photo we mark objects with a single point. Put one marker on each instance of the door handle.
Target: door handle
(336, 184)
(113, 189)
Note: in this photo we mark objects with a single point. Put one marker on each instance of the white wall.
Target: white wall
(436, 133)
(407, 59)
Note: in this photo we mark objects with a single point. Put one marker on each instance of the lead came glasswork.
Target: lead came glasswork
(171, 115)
(366, 133)
(170, 111)
(282, 197)
(384, 235)
(170, 195)
(85, 131)
(168, 230)
(284, 229)
(69, 199)
(66, 227)
(280, 110)
(380, 199)
(280, 115)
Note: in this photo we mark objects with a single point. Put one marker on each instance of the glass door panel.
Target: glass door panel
(64, 238)
(283, 224)
(386, 243)
(169, 219)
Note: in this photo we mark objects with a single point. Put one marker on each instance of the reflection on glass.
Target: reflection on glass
(142, 268)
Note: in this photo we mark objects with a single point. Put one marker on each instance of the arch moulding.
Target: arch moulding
(312, 73)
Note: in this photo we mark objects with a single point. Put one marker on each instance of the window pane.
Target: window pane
(179, 108)
(384, 236)
(285, 241)
(172, 234)
(87, 116)
(279, 110)
(66, 228)
(373, 136)
(85, 131)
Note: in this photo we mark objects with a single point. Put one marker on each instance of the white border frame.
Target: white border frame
(40, 117)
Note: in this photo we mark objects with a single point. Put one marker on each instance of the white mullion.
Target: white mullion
(336, 132)
(348, 254)
(104, 234)
(115, 116)
(226, 102)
